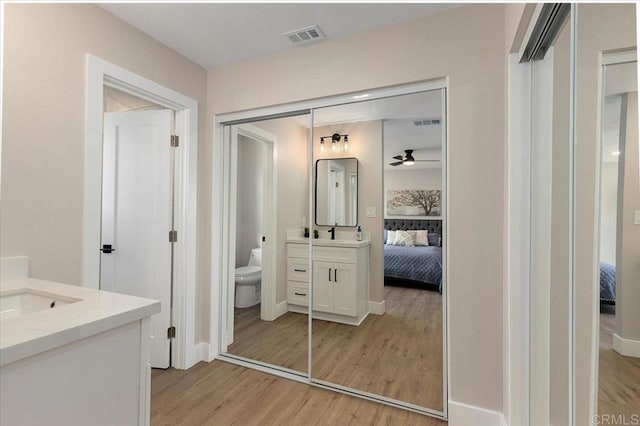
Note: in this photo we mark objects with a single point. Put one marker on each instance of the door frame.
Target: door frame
(268, 310)
(220, 164)
(100, 73)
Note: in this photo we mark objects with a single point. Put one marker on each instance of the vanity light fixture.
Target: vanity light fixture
(335, 140)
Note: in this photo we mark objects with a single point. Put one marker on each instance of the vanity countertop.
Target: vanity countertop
(326, 242)
(96, 311)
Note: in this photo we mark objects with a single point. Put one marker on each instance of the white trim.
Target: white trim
(377, 308)
(378, 398)
(98, 74)
(446, 378)
(280, 309)
(620, 57)
(540, 221)
(518, 241)
(626, 347)
(331, 101)
(461, 414)
(203, 350)
(14, 267)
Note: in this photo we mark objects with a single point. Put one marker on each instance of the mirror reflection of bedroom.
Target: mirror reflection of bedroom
(619, 357)
(392, 346)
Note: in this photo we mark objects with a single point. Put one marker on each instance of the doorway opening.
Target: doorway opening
(108, 84)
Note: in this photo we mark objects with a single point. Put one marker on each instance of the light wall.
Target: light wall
(608, 211)
(466, 45)
(44, 120)
(560, 287)
(601, 28)
(628, 250)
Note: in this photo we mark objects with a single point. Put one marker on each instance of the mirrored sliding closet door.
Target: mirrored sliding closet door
(378, 251)
(266, 202)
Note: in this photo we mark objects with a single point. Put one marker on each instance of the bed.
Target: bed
(607, 283)
(420, 265)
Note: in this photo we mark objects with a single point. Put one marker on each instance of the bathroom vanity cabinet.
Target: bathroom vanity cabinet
(81, 357)
(340, 279)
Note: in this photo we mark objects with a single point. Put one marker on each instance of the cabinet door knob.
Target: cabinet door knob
(329, 274)
(299, 294)
(300, 270)
(335, 275)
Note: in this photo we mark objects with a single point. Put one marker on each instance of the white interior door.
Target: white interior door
(137, 214)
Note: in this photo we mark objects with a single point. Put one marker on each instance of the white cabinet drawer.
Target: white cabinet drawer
(297, 269)
(298, 250)
(297, 293)
(335, 254)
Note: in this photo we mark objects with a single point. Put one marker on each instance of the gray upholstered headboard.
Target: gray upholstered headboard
(431, 225)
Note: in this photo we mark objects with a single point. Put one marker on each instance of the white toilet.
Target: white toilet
(248, 281)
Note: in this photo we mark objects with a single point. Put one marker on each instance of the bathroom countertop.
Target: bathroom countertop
(326, 242)
(96, 311)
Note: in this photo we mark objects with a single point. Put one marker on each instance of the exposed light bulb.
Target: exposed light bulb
(321, 144)
(409, 163)
(333, 147)
(345, 146)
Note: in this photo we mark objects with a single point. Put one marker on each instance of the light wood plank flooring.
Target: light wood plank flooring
(398, 354)
(619, 376)
(223, 394)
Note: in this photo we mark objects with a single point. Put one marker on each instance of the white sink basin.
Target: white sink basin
(26, 301)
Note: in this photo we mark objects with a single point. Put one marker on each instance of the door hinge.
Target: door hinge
(175, 140)
(173, 236)
(171, 332)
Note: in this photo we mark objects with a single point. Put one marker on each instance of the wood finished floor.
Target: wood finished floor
(397, 355)
(222, 394)
(619, 376)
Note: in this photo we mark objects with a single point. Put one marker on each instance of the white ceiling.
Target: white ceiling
(220, 33)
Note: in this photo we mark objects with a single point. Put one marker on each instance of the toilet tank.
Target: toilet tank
(256, 257)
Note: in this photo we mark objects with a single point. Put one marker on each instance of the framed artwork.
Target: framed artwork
(413, 202)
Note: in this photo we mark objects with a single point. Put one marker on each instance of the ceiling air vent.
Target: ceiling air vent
(305, 35)
(426, 122)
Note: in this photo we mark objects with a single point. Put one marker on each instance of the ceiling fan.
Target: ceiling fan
(407, 159)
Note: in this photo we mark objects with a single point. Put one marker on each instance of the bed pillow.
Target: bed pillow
(384, 236)
(404, 238)
(391, 237)
(421, 238)
(434, 239)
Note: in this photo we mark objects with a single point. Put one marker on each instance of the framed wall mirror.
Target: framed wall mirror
(336, 202)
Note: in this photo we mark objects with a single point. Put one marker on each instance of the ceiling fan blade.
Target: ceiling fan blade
(398, 157)
(396, 163)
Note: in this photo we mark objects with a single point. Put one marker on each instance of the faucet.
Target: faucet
(332, 231)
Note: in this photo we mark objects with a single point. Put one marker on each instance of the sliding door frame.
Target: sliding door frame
(220, 271)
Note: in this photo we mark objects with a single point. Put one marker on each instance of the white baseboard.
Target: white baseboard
(203, 352)
(14, 267)
(280, 309)
(626, 347)
(469, 415)
(376, 308)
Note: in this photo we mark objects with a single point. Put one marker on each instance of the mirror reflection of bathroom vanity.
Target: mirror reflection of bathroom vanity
(337, 192)
(340, 276)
